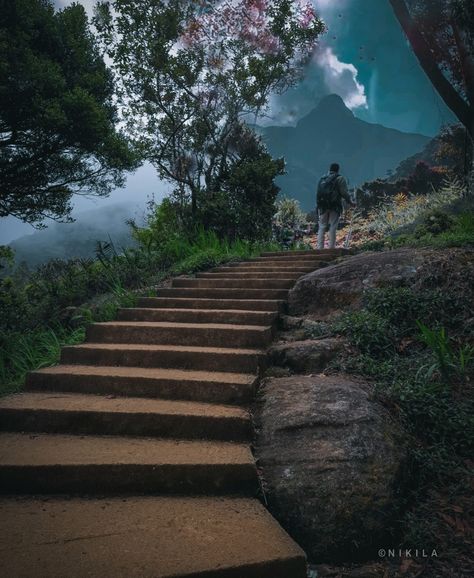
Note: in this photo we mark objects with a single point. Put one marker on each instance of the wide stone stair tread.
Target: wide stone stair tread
(158, 348)
(96, 403)
(252, 275)
(239, 360)
(309, 264)
(18, 449)
(182, 325)
(94, 414)
(302, 261)
(273, 305)
(210, 386)
(236, 283)
(223, 293)
(311, 252)
(229, 316)
(94, 464)
(144, 537)
(196, 334)
(257, 268)
(149, 373)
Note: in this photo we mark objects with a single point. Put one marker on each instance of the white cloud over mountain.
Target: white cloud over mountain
(341, 78)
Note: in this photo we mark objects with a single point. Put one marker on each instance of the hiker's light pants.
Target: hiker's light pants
(326, 218)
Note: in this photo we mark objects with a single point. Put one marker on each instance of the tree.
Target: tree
(441, 33)
(192, 73)
(244, 204)
(57, 119)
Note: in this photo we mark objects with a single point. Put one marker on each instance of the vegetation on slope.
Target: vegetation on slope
(50, 307)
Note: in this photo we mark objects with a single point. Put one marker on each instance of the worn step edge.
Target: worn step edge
(273, 305)
(234, 360)
(223, 293)
(197, 334)
(237, 283)
(233, 274)
(317, 252)
(218, 387)
(232, 316)
(58, 463)
(96, 415)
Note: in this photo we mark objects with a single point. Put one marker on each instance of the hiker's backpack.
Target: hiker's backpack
(328, 197)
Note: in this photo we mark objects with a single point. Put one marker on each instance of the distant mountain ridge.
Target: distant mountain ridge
(331, 133)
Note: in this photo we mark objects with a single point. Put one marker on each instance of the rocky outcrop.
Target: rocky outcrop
(331, 459)
(327, 291)
(307, 356)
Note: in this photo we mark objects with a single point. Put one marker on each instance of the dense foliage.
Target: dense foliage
(446, 158)
(451, 150)
(190, 75)
(57, 120)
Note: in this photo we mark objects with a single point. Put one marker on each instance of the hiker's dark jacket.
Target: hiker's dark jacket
(343, 190)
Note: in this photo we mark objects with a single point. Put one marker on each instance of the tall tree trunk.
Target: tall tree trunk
(462, 109)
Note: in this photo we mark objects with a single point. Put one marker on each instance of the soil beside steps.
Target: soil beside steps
(145, 427)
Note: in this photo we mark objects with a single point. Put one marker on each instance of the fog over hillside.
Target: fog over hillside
(78, 239)
(141, 186)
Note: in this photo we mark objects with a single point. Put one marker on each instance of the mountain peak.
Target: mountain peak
(330, 107)
(333, 101)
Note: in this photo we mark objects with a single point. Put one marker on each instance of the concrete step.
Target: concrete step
(257, 270)
(298, 261)
(223, 293)
(234, 283)
(260, 275)
(166, 333)
(165, 356)
(54, 463)
(99, 415)
(273, 305)
(213, 387)
(310, 252)
(267, 262)
(234, 316)
(144, 537)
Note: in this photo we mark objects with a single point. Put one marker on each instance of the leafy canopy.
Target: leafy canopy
(57, 118)
(191, 75)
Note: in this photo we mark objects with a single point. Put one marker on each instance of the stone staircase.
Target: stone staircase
(132, 457)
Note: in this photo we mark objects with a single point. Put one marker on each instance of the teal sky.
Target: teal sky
(366, 35)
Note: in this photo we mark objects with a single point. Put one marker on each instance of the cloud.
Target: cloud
(325, 74)
(341, 78)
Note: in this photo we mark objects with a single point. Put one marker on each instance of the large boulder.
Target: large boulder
(331, 461)
(327, 291)
(306, 356)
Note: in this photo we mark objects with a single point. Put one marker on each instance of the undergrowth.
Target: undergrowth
(458, 231)
(50, 307)
(415, 345)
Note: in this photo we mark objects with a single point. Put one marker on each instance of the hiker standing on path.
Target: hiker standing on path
(332, 188)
